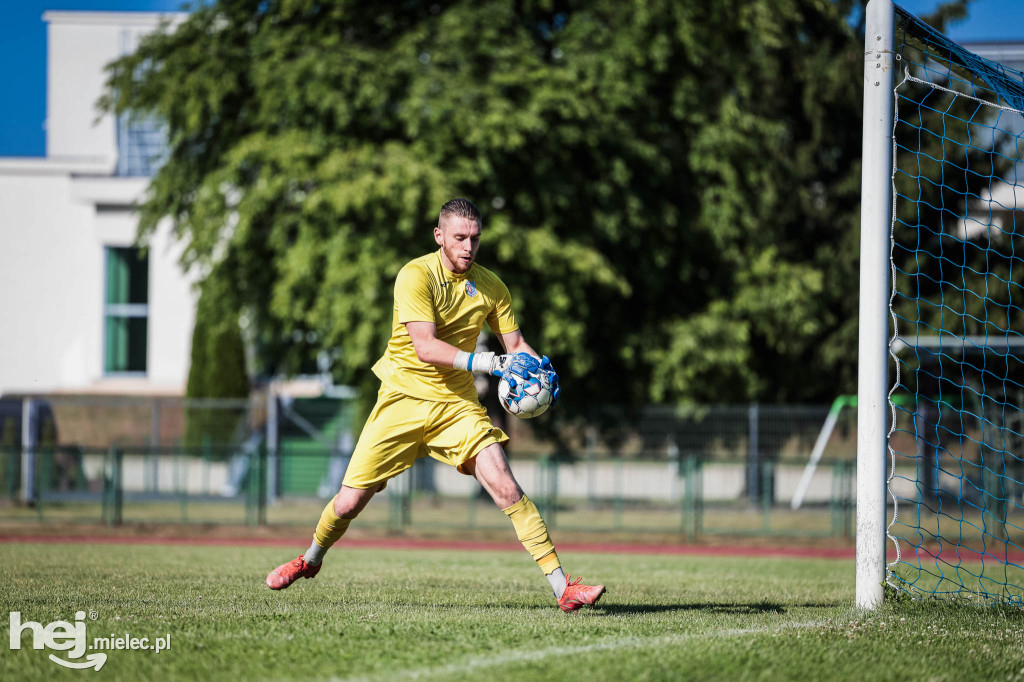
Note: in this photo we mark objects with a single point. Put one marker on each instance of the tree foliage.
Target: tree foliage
(217, 368)
(670, 187)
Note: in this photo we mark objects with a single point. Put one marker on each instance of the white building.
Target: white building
(79, 310)
(994, 212)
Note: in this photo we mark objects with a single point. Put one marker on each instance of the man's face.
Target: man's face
(459, 239)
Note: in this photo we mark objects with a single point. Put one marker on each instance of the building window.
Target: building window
(141, 146)
(126, 311)
(141, 140)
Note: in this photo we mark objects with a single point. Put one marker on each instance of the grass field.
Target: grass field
(443, 615)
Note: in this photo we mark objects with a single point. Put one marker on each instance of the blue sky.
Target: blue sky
(23, 53)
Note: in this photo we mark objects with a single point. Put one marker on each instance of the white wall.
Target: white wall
(40, 313)
(74, 85)
(52, 290)
(172, 306)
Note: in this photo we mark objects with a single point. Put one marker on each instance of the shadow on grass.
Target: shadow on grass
(760, 607)
(752, 608)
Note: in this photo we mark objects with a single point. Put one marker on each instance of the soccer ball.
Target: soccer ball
(526, 398)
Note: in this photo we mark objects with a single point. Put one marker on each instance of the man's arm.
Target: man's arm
(429, 348)
(434, 351)
(513, 343)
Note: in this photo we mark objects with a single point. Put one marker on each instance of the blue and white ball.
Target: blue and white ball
(526, 398)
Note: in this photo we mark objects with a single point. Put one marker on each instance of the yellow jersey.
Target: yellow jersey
(458, 304)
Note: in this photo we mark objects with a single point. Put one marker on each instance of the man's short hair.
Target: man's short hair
(460, 208)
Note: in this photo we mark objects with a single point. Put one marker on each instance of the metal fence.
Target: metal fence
(698, 473)
(693, 497)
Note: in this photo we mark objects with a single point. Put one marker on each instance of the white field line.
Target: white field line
(476, 663)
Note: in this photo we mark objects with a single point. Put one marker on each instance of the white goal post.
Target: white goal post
(873, 342)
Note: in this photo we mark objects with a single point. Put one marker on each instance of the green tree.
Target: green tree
(217, 369)
(671, 187)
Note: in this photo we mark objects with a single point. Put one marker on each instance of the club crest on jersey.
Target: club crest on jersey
(471, 288)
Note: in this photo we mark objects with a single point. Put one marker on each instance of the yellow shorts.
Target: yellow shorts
(401, 429)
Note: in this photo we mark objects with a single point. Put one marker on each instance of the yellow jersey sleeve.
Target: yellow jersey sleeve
(501, 319)
(414, 296)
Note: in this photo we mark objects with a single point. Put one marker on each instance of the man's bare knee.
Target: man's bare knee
(350, 501)
(490, 468)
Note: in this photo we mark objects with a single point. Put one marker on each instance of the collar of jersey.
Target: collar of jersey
(448, 274)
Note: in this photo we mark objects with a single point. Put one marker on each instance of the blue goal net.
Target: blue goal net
(956, 445)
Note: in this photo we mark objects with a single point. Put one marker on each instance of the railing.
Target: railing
(688, 497)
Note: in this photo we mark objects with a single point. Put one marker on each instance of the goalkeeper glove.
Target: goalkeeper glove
(556, 390)
(524, 366)
(482, 363)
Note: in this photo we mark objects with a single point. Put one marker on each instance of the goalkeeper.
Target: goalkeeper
(427, 403)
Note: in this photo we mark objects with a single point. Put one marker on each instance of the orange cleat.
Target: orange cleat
(577, 595)
(285, 574)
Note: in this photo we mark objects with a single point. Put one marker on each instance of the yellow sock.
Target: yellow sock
(533, 533)
(330, 528)
(549, 563)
